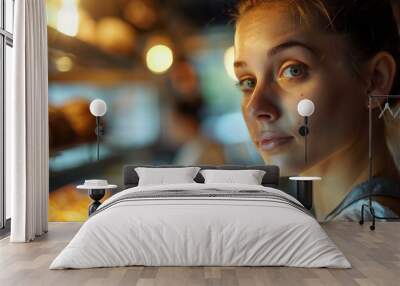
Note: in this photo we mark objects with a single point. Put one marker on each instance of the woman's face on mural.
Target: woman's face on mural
(278, 63)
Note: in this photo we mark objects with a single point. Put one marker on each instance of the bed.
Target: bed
(199, 224)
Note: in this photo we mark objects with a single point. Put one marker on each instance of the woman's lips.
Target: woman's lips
(271, 142)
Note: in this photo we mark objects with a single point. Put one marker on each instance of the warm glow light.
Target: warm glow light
(159, 58)
(64, 64)
(140, 13)
(68, 18)
(115, 36)
(229, 59)
(87, 28)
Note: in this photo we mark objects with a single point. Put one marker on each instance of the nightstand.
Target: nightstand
(96, 190)
(304, 191)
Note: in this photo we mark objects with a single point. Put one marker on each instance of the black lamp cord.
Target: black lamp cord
(98, 136)
(305, 138)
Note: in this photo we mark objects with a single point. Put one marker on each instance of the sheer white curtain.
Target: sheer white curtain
(27, 124)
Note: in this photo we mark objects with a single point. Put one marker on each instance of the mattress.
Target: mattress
(201, 225)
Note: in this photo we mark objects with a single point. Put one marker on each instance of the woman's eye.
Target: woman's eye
(294, 71)
(246, 85)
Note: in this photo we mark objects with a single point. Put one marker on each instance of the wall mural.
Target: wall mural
(220, 82)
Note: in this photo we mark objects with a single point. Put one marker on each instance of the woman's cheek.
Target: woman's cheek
(251, 125)
(244, 108)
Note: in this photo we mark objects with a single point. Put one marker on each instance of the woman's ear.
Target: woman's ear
(381, 73)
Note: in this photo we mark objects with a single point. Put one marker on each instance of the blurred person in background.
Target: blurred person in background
(196, 148)
(185, 121)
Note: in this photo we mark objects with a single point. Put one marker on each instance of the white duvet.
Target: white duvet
(200, 231)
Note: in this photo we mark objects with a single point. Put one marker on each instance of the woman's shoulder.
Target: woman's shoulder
(385, 196)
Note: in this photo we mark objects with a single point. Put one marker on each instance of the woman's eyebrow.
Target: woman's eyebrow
(290, 44)
(280, 48)
(239, 64)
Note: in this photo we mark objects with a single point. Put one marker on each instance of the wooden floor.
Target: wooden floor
(375, 257)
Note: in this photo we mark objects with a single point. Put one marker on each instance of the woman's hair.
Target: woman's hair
(369, 26)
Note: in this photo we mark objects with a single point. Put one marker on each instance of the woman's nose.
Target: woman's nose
(262, 108)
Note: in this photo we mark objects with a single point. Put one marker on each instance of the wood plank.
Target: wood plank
(375, 257)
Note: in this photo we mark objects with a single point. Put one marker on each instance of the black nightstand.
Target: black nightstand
(304, 191)
(96, 190)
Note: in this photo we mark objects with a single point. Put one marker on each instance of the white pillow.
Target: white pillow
(163, 176)
(248, 177)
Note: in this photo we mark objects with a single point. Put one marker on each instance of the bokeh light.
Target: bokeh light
(115, 36)
(140, 13)
(159, 58)
(64, 64)
(68, 18)
(87, 28)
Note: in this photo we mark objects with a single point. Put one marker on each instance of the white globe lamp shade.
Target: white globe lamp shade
(305, 107)
(98, 107)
